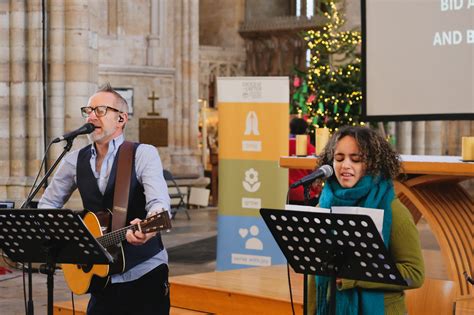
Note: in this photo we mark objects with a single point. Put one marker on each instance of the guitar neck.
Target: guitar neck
(154, 223)
(115, 237)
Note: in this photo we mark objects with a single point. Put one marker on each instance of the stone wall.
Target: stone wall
(257, 9)
(219, 22)
(218, 62)
(146, 45)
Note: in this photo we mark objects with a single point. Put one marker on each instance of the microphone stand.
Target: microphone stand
(25, 204)
(67, 147)
(307, 195)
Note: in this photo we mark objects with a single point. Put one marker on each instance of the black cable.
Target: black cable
(24, 291)
(72, 302)
(289, 287)
(43, 162)
(468, 278)
(288, 266)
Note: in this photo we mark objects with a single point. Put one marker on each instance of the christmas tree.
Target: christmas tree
(329, 93)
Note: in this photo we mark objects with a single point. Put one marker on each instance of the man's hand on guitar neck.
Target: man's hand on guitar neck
(138, 238)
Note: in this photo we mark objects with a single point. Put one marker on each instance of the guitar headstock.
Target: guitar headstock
(157, 222)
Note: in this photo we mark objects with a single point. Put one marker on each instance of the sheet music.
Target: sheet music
(307, 208)
(375, 214)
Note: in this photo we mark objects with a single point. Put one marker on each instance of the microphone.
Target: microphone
(324, 171)
(86, 129)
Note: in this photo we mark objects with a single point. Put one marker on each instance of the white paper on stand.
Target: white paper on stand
(375, 214)
(307, 208)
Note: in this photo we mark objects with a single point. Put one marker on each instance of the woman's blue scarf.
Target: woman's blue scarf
(369, 192)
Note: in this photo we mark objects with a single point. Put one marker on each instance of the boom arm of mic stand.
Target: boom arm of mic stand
(67, 147)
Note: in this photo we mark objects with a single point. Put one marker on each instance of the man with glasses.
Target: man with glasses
(143, 287)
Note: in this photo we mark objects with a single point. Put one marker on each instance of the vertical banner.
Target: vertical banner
(253, 134)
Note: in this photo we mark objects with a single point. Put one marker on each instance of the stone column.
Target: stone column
(186, 33)
(418, 134)
(433, 143)
(432, 137)
(34, 143)
(18, 107)
(57, 73)
(451, 137)
(404, 137)
(81, 60)
(5, 16)
(156, 29)
(453, 131)
(184, 126)
(175, 132)
(193, 109)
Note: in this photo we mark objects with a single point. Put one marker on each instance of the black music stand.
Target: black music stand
(334, 245)
(49, 236)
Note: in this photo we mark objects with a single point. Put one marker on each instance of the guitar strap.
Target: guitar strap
(122, 185)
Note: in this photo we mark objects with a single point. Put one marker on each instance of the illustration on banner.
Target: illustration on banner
(252, 242)
(251, 183)
(251, 128)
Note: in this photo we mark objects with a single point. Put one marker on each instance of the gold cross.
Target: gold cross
(153, 98)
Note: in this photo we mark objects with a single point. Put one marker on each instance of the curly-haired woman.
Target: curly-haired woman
(364, 167)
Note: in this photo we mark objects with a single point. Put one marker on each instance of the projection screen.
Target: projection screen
(418, 59)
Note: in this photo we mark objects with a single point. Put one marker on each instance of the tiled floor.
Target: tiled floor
(201, 228)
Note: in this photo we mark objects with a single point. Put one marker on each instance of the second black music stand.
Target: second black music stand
(49, 236)
(334, 245)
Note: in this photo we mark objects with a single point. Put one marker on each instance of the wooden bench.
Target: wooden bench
(261, 290)
(80, 304)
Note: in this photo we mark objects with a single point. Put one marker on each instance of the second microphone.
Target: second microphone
(324, 171)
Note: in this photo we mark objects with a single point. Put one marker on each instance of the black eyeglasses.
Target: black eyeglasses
(99, 110)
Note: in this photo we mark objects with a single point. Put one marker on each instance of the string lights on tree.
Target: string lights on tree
(329, 94)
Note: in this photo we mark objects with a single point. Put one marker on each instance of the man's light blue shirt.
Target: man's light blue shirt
(149, 171)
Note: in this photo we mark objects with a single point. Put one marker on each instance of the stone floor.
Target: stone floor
(201, 229)
(202, 226)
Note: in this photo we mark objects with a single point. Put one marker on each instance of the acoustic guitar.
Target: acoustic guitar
(82, 279)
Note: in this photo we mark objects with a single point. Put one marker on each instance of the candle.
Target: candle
(467, 148)
(301, 145)
(322, 138)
